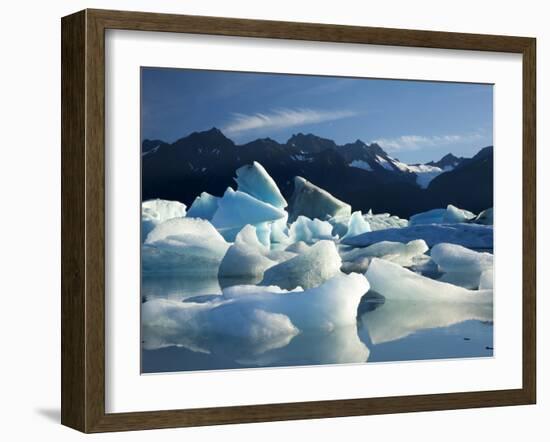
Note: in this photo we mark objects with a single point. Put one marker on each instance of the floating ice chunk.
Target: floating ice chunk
(260, 319)
(357, 225)
(434, 216)
(246, 257)
(237, 209)
(485, 217)
(383, 221)
(461, 279)
(379, 221)
(310, 230)
(449, 215)
(455, 215)
(204, 206)
(397, 283)
(396, 319)
(254, 180)
(455, 258)
(467, 235)
(154, 212)
(313, 202)
(198, 326)
(310, 269)
(399, 253)
(186, 245)
(486, 280)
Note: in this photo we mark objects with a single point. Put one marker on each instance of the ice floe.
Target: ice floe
(317, 264)
(254, 180)
(185, 245)
(397, 283)
(467, 235)
(313, 202)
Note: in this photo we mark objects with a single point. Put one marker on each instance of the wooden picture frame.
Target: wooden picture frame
(83, 220)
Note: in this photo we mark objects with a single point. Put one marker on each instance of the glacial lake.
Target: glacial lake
(385, 331)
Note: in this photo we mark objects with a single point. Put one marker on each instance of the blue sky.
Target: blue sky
(415, 121)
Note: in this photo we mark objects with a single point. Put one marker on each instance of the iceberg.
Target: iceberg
(259, 319)
(379, 221)
(185, 245)
(154, 212)
(236, 209)
(383, 221)
(246, 257)
(397, 283)
(485, 217)
(310, 230)
(399, 253)
(467, 235)
(357, 225)
(309, 269)
(204, 206)
(254, 180)
(198, 326)
(455, 215)
(313, 202)
(449, 215)
(455, 258)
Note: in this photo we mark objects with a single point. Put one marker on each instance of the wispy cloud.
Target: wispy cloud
(415, 142)
(282, 118)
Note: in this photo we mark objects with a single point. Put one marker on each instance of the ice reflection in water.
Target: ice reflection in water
(385, 331)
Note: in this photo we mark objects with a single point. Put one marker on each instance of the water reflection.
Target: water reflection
(386, 330)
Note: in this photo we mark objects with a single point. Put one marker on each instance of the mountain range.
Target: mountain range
(361, 174)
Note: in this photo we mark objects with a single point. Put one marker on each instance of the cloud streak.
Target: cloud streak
(282, 118)
(416, 142)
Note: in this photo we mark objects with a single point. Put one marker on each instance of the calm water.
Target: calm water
(385, 331)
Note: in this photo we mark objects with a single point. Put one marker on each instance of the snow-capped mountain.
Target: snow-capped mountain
(363, 174)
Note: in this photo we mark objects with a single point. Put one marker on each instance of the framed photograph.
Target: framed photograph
(271, 220)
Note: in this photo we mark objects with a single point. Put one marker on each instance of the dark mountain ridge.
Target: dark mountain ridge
(363, 175)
